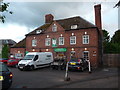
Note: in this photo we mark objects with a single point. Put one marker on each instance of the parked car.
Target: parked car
(5, 76)
(77, 64)
(13, 62)
(59, 64)
(4, 60)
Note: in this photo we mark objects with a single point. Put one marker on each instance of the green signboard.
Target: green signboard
(60, 49)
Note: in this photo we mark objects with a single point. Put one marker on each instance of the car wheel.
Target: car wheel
(32, 67)
(16, 66)
(82, 69)
(21, 69)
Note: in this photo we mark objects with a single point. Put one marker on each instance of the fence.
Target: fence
(111, 60)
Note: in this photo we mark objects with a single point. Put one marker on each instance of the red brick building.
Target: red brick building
(67, 38)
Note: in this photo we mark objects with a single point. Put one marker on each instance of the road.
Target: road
(47, 78)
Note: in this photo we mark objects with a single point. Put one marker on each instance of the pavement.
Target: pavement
(108, 74)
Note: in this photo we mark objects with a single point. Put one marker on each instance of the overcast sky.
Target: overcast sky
(29, 15)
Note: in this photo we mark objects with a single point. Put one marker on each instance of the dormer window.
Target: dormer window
(54, 28)
(73, 26)
(38, 31)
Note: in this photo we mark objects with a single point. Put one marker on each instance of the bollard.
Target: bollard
(67, 78)
(89, 66)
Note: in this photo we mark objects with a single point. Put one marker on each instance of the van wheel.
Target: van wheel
(31, 67)
(82, 69)
(16, 66)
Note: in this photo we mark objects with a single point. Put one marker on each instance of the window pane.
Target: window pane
(47, 41)
(61, 40)
(34, 42)
(54, 28)
(86, 55)
(86, 39)
(73, 40)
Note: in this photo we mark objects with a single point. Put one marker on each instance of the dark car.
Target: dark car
(12, 62)
(5, 76)
(4, 60)
(77, 64)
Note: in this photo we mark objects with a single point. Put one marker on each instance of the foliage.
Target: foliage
(112, 46)
(3, 8)
(5, 51)
(106, 40)
(116, 37)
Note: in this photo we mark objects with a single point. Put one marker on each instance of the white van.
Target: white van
(34, 60)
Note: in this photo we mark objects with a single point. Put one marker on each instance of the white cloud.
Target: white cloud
(12, 31)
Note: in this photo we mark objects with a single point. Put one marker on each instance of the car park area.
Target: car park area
(52, 78)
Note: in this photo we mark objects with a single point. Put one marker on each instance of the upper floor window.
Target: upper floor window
(34, 42)
(74, 27)
(61, 40)
(85, 39)
(73, 40)
(47, 41)
(54, 28)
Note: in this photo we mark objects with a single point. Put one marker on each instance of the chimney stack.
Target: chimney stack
(98, 22)
(49, 18)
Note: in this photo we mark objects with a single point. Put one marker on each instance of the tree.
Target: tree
(3, 8)
(116, 37)
(112, 46)
(106, 41)
(5, 51)
(115, 42)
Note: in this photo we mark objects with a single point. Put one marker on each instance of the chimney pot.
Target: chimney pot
(49, 18)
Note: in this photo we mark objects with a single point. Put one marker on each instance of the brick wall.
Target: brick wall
(79, 47)
(14, 51)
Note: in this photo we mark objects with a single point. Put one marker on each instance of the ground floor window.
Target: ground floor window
(19, 55)
(60, 55)
(72, 54)
(86, 55)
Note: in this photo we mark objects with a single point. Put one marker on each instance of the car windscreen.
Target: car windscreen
(11, 60)
(74, 59)
(3, 68)
(28, 57)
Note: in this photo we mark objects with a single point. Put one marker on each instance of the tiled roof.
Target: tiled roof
(43, 27)
(79, 21)
(7, 41)
(20, 44)
(66, 24)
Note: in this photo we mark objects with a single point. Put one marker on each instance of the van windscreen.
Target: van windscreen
(28, 57)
